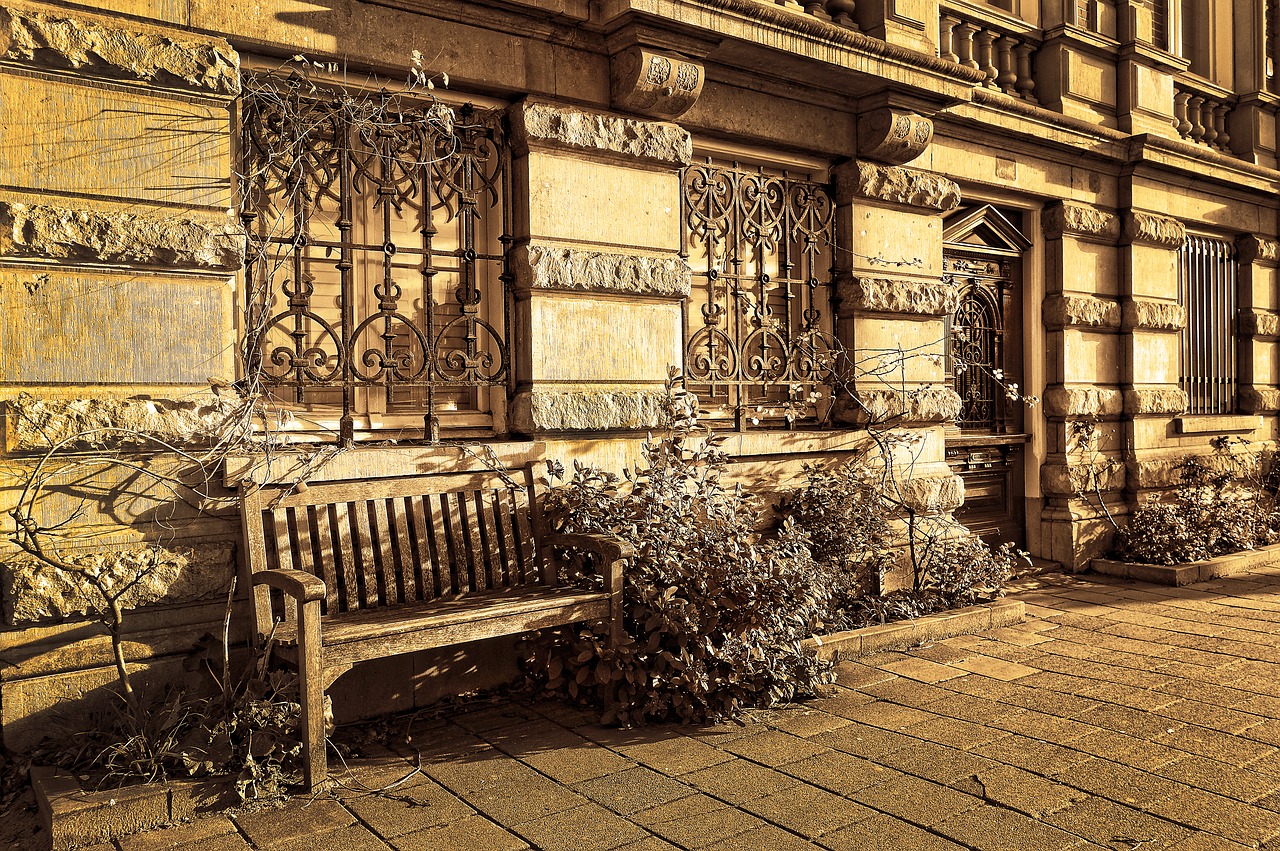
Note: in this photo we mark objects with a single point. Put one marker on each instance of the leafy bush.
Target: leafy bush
(1220, 506)
(714, 613)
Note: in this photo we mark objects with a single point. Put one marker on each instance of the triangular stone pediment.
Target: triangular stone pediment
(984, 228)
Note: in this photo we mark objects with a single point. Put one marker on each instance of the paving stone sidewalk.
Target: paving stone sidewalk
(1119, 716)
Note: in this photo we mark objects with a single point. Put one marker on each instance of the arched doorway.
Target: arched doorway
(982, 255)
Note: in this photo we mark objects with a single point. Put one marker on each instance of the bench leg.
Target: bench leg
(311, 683)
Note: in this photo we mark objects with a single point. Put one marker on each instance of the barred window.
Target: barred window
(377, 266)
(758, 324)
(1207, 344)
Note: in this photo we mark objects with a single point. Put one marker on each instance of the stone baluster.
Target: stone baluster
(946, 49)
(841, 12)
(1181, 122)
(817, 8)
(1008, 67)
(1220, 125)
(1206, 118)
(963, 41)
(1196, 117)
(986, 63)
(1026, 84)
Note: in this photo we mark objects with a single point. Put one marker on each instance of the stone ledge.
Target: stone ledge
(898, 295)
(32, 424)
(856, 643)
(1151, 229)
(553, 267)
(1146, 315)
(1081, 311)
(75, 817)
(535, 123)
(1069, 217)
(535, 411)
(1189, 573)
(1060, 401)
(907, 187)
(1154, 401)
(89, 43)
(61, 233)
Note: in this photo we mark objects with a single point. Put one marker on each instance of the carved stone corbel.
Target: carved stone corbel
(660, 85)
(893, 135)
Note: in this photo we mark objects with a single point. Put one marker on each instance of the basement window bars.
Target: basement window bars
(377, 265)
(1207, 277)
(759, 347)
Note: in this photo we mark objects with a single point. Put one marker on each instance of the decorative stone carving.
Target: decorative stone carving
(151, 239)
(1068, 217)
(897, 295)
(1072, 479)
(1060, 401)
(551, 267)
(34, 591)
(893, 135)
(1142, 314)
(537, 123)
(656, 84)
(587, 410)
(1258, 400)
(109, 49)
(1258, 324)
(895, 185)
(33, 424)
(886, 406)
(1080, 311)
(932, 494)
(1257, 249)
(1150, 229)
(1155, 401)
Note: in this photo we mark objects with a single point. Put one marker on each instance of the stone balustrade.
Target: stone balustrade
(838, 12)
(1200, 115)
(999, 51)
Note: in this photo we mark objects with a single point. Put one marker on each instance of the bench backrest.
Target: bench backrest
(392, 541)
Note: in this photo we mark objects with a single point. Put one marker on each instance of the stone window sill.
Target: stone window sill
(1218, 423)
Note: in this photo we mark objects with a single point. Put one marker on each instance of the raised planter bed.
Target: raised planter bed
(1189, 572)
(74, 817)
(902, 634)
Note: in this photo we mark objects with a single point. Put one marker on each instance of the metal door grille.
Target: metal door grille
(1207, 345)
(378, 237)
(758, 336)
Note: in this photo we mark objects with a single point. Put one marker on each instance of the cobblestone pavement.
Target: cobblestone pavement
(1119, 715)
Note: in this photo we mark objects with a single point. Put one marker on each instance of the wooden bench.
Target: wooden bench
(378, 567)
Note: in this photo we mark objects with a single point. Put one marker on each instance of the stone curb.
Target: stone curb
(1189, 572)
(895, 636)
(74, 816)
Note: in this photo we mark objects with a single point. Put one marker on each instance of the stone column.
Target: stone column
(599, 280)
(892, 303)
(1258, 327)
(1083, 474)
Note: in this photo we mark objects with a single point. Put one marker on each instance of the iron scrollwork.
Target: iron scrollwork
(378, 228)
(759, 337)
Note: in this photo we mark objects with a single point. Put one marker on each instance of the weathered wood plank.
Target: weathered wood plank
(384, 554)
(363, 540)
(344, 553)
(322, 533)
(404, 547)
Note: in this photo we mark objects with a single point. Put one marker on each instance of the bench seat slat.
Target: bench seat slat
(318, 516)
(404, 551)
(344, 554)
(363, 540)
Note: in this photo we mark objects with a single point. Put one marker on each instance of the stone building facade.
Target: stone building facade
(1077, 197)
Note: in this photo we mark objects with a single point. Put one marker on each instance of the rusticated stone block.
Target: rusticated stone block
(932, 494)
(536, 123)
(1150, 229)
(1069, 402)
(893, 135)
(1260, 324)
(885, 406)
(898, 295)
(551, 267)
(1257, 400)
(1154, 401)
(33, 424)
(108, 48)
(1069, 217)
(34, 591)
(1080, 311)
(1072, 479)
(61, 233)
(1258, 249)
(653, 83)
(587, 410)
(1166, 471)
(895, 185)
(1141, 314)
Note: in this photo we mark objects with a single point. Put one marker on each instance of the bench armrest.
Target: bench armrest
(607, 547)
(296, 583)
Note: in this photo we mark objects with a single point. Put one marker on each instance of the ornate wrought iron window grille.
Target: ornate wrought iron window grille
(759, 344)
(1207, 274)
(377, 273)
(976, 332)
